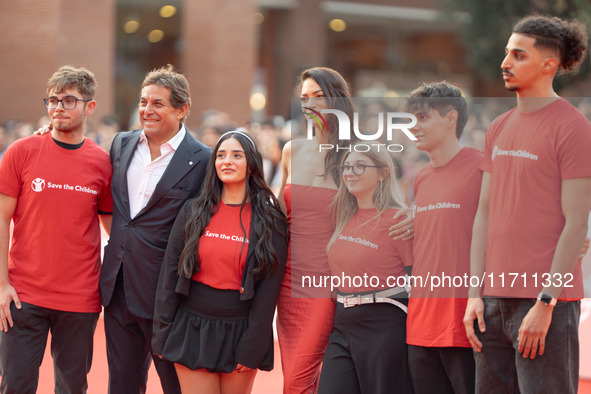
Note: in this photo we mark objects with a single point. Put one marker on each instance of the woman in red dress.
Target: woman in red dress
(310, 180)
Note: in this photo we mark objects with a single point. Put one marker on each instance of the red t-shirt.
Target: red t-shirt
(54, 259)
(528, 156)
(364, 250)
(223, 248)
(446, 199)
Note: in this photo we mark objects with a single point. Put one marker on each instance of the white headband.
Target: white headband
(238, 132)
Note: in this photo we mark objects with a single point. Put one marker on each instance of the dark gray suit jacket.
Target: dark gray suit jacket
(137, 246)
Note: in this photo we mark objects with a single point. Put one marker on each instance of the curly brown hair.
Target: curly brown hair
(68, 77)
(568, 38)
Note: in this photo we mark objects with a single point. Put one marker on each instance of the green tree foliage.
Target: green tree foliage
(487, 24)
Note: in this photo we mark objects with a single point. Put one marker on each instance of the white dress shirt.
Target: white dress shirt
(144, 174)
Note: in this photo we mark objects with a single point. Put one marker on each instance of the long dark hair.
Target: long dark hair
(265, 212)
(338, 96)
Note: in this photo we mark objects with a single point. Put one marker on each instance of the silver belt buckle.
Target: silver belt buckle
(349, 302)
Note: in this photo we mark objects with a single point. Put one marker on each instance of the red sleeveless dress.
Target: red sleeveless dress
(305, 311)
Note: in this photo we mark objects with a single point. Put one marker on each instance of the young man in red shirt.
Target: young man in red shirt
(446, 196)
(54, 188)
(531, 221)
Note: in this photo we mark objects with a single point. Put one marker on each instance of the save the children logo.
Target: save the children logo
(494, 152)
(497, 152)
(38, 185)
(236, 238)
(402, 121)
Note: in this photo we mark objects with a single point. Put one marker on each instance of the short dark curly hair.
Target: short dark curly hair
(568, 38)
(442, 97)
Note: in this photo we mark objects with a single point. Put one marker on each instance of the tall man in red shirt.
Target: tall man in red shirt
(446, 196)
(531, 221)
(54, 188)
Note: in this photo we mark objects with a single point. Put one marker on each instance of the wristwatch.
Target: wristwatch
(547, 299)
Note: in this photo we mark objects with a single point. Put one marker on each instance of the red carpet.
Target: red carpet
(265, 383)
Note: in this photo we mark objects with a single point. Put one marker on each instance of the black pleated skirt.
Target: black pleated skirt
(207, 329)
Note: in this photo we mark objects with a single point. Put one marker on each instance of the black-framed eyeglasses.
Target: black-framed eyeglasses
(356, 169)
(68, 102)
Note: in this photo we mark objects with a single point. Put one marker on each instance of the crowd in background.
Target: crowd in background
(272, 134)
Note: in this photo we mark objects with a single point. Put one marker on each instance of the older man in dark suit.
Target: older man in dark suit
(155, 170)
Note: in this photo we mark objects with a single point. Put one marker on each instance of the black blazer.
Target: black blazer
(137, 246)
(172, 288)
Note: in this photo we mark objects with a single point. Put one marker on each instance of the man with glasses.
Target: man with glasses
(54, 188)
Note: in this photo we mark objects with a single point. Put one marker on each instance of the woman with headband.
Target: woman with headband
(221, 275)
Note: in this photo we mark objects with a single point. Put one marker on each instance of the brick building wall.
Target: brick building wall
(293, 40)
(219, 56)
(37, 37)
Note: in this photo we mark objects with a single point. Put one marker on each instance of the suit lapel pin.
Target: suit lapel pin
(190, 163)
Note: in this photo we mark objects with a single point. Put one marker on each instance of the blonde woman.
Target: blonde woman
(310, 179)
(367, 350)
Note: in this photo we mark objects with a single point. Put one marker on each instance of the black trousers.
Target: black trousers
(367, 352)
(23, 346)
(129, 350)
(444, 370)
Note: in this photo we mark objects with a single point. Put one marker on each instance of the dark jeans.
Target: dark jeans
(367, 352)
(23, 346)
(500, 368)
(129, 350)
(442, 370)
